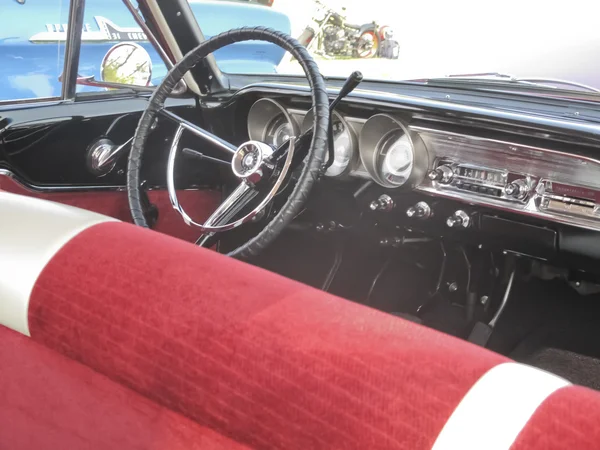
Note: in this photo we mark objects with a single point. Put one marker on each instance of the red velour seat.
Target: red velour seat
(227, 354)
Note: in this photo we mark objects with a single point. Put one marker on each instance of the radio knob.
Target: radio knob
(442, 174)
(420, 211)
(459, 219)
(517, 189)
(383, 203)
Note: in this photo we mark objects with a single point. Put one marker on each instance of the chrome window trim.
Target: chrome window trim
(30, 100)
(72, 49)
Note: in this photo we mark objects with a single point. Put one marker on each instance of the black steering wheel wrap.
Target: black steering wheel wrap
(313, 161)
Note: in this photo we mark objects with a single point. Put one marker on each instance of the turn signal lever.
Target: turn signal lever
(351, 82)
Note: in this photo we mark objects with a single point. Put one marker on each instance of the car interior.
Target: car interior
(370, 248)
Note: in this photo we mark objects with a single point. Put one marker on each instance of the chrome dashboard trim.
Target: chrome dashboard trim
(414, 103)
(55, 189)
(529, 210)
(421, 129)
(58, 188)
(535, 162)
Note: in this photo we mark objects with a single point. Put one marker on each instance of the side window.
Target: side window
(32, 48)
(114, 49)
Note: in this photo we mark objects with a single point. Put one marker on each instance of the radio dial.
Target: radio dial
(420, 211)
(443, 174)
(517, 189)
(384, 203)
(459, 219)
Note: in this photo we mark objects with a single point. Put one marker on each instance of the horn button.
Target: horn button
(248, 161)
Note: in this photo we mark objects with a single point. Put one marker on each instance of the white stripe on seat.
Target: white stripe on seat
(32, 231)
(497, 408)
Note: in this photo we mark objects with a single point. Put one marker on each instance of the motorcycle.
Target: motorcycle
(331, 36)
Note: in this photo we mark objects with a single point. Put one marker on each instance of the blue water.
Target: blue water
(33, 70)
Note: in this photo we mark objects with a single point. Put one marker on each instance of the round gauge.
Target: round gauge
(391, 154)
(278, 131)
(269, 122)
(395, 160)
(344, 144)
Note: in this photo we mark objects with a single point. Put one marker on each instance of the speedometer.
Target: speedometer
(270, 122)
(395, 161)
(390, 153)
(344, 144)
(278, 131)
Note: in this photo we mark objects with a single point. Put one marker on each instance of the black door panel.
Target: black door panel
(48, 144)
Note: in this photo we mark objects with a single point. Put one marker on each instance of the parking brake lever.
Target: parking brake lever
(351, 82)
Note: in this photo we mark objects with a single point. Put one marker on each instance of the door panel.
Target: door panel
(44, 153)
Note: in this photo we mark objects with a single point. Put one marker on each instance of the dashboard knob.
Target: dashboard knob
(383, 203)
(442, 174)
(419, 211)
(459, 219)
(517, 189)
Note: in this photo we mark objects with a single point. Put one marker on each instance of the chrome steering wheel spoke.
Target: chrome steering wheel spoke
(221, 144)
(233, 204)
(249, 164)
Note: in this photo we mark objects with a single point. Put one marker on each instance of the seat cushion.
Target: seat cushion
(568, 419)
(51, 402)
(255, 356)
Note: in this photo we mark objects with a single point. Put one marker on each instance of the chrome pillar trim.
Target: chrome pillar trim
(72, 49)
(234, 201)
(222, 144)
(140, 21)
(162, 27)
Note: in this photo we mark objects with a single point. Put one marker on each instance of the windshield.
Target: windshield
(530, 41)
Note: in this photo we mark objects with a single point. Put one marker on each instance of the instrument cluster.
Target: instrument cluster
(381, 148)
(537, 182)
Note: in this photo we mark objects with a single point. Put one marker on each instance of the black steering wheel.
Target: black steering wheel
(260, 169)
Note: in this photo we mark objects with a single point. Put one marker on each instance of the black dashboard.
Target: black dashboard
(525, 183)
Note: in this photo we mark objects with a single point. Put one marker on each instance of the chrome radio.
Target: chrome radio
(497, 183)
(568, 199)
